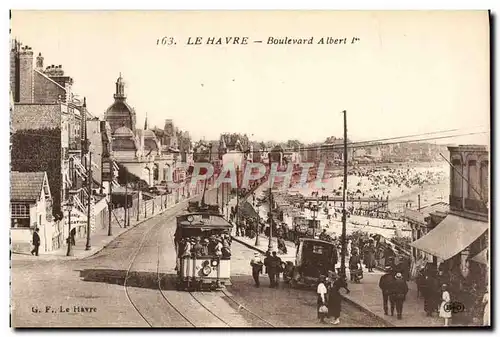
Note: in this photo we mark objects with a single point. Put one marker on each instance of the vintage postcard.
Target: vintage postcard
(248, 169)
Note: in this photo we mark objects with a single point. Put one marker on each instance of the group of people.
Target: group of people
(273, 264)
(214, 245)
(329, 301)
(437, 286)
(394, 289)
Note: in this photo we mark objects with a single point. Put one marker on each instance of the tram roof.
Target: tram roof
(203, 220)
(328, 243)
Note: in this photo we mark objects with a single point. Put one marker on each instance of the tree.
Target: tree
(294, 144)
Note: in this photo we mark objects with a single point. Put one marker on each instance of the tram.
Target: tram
(203, 247)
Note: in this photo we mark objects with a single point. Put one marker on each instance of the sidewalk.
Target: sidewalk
(99, 239)
(365, 295)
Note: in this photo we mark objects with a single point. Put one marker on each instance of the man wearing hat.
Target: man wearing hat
(273, 269)
(385, 284)
(398, 294)
(257, 265)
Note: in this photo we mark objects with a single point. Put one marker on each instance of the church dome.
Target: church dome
(124, 140)
(120, 113)
(123, 132)
(150, 143)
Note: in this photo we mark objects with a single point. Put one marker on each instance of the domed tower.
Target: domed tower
(150, 142)
(120, 113)
(124, 140)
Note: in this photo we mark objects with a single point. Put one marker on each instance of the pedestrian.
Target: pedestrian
(369, 259)
(335, 299)
(398, 295)
(386, 285)
(486, 313)
(36, 242)
(282, 245)
(388, 255)
(274, 269)
(257, 265)
(321, 302)
(431, 291)
(444, 311)
(420, 282)
(72, 236)
(354, 264)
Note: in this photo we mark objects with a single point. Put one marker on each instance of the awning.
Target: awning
(481, 257)
(451, 236)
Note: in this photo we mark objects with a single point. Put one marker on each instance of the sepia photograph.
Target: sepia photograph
(249, 169)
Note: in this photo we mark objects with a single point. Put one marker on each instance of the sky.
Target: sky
(409, 73)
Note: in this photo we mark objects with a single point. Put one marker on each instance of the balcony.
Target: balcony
(474, 205)
(456, 203)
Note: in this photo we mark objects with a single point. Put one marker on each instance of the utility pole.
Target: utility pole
(344, 215)
(110, 204)
(270, 245)
(138, 205)
(419, 202)
(237, 197)
(125, 207)
(217, 195)
(89, 183)
(222, 198)
(69, 252)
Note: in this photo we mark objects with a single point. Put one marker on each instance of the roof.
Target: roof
(51, 80)
(419, 216)
(26, 186)
(317, 241)
(149, 134)
(203, 220)
(437, 207)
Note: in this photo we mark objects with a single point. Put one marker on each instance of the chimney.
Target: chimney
(39, 62)
(26, 86)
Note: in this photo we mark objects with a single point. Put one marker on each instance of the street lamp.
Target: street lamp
(314, 209)
(257, 228)
(69, 207)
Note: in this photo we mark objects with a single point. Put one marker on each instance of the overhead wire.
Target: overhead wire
(358, 144)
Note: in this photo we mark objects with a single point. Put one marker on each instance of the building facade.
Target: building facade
(48, 126)
(139, 150)
(31, 208)
(465, 228)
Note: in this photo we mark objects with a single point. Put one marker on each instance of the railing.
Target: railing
(476, 206)
(456, 203)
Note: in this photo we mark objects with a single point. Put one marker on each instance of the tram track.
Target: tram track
(172, 308)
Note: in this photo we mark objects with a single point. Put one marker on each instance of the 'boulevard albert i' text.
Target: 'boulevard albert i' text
(245, 40)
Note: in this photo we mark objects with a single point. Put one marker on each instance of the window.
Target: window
(317, 249)
(20, 211)
(456, 184)
(484, 180)
(473, 185)
(20, 223)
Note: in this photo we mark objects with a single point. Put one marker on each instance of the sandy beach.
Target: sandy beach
(402, 184)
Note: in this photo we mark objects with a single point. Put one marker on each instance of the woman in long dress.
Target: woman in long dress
(335, 299)
(445, 300)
